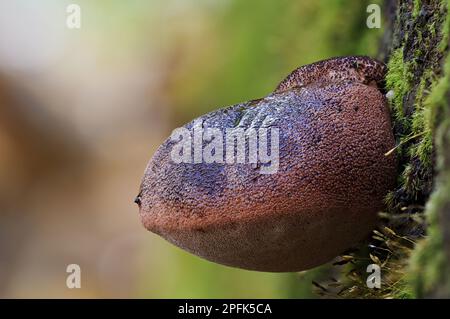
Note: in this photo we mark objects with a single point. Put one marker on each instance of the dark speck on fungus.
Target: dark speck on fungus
(333, 174)
(138, 200)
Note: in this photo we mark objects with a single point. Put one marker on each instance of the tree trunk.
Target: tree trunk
(412, 245)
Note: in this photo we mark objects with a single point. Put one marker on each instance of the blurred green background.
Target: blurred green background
(82, 111)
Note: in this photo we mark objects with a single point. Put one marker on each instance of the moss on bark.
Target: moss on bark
(412, 244)
(416, 74)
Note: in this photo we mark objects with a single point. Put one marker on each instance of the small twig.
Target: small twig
(405, 141)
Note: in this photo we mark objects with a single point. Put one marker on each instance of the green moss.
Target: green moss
(417, 129)
(416, 10)
(437, 98)
(432, 29)
(424, 119)
(420, 121)
(446, 28)
(427, 262)
(428, 266)
(398, 79)
(389, 200)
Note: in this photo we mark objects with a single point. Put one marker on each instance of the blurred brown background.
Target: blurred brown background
(82, 111)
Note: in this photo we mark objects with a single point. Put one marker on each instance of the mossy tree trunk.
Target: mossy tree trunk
(412, 245)
(419, 69)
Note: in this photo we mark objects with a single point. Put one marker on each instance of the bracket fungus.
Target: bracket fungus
(334, 130)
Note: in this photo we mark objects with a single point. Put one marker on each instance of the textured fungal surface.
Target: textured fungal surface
(355, 69)
(334, 130)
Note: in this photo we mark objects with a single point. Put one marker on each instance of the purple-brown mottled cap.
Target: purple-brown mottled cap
(334, 130)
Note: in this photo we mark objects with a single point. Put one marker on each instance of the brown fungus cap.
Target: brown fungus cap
(334, 130)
